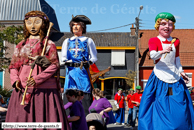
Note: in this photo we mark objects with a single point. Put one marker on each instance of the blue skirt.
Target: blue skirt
(120, 115)
(161, 111)
(111, 118)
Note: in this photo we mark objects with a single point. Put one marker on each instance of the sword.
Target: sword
(87, 72)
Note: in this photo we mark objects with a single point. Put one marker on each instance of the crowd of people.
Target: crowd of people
(103, 108)
(77, 117)
(133, 102)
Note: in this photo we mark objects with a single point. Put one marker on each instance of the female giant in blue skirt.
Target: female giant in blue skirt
(166, 103)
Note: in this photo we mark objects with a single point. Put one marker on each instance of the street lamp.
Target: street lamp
(141, 7)
(137, 45)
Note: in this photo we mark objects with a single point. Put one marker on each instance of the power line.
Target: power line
(127, 25)
(151, 22)
(147, 23)
(148, 20)
(112, 28)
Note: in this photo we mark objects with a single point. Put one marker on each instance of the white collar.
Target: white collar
(164, 39)
(81, 38)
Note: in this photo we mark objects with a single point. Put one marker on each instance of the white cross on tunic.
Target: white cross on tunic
(76, 49)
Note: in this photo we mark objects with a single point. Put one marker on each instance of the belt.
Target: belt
(73, 64)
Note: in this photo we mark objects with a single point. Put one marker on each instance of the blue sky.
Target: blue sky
(106, 14)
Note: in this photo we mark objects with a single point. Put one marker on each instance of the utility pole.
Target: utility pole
(137, 49)
(137, 45)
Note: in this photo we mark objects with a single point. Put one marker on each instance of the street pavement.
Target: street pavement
(120, 127)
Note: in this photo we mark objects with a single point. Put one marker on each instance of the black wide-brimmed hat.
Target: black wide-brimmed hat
(81, 18)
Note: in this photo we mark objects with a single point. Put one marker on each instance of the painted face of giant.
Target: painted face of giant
(33, 25)
(77, 28)
(165, 28)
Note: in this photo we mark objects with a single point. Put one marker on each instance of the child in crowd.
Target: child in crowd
(77, 115)
(80, 97)
(68, 106)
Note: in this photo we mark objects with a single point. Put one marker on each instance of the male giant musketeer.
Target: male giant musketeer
(77, 51)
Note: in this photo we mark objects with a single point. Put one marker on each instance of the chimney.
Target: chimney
(132, 30)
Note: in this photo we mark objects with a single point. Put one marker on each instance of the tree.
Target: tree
(5, 92)
(12, 34)
(130, 77)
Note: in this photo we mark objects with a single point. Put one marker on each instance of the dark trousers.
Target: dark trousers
(135, 115)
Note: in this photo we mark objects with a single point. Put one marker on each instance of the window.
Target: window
(190, 80)
(59, 54)
(118, 57)
(1, 78)
(144, 83)
(1, 72)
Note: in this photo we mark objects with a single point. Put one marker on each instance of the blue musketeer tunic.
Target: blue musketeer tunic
(77, 51)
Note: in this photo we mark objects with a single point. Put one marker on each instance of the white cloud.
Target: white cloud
(177, 17)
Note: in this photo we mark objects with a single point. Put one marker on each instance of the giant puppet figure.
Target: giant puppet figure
(78, 52)
(42, 100)
(166, 103)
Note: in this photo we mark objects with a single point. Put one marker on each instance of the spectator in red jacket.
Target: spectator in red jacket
(136, 99)
(130, 107)
(120, 103)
